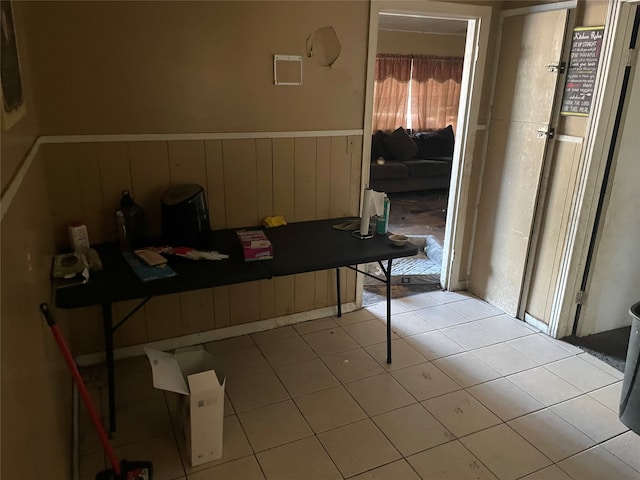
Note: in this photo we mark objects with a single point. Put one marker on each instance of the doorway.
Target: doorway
(610, 274)
(476, 21)
(419, 64)
(422, 217)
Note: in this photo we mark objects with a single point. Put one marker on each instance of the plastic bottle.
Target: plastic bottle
(382, 222)
(121, 228)
(134, 219)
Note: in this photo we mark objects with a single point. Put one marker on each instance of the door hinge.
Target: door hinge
(546, 132)
(557, 67)
(580, 297)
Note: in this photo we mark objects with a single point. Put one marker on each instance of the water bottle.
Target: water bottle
(134, 221)
(382, 221)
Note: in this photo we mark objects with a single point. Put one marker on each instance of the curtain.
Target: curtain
(391, 91)
(435, 92)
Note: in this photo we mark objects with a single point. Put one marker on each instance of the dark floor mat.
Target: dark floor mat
(610, 347)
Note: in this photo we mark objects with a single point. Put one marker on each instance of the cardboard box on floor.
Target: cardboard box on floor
(191, 372)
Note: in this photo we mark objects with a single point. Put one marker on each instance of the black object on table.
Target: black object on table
(297, 248)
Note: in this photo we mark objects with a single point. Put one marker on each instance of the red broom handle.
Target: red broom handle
(84, 393)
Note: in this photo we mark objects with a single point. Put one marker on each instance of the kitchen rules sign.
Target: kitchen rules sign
(581, 74)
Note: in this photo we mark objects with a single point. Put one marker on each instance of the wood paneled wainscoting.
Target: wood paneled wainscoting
(301, 176)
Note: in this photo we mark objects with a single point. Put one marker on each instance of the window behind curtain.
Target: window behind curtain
(435, 92)
(433, 83)
(391, 91)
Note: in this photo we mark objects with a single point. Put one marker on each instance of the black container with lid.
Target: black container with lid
(629, 412)
(185, 216)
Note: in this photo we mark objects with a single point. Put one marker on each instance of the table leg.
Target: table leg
(388, 310)
(107, 323)
(338, 292)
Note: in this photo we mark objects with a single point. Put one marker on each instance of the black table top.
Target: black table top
(297, 248)
(315, 245)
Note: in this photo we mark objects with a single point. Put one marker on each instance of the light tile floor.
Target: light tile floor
(471, 394)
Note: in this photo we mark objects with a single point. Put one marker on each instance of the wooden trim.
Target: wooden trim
(16, 181)
(571, 4)
(569, 138)
(12, 189)
(150, 137)
(537, 324)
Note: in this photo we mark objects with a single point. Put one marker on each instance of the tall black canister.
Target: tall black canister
(630, 398)
(185, 215)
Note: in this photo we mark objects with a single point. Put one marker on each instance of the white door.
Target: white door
(523, 100)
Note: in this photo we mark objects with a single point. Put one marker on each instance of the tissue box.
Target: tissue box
(191, 373)
(78, 236)
(255, 244)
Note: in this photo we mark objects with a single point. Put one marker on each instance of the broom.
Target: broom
(122, 470)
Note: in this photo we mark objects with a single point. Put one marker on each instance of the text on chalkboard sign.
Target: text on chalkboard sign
(581, 74)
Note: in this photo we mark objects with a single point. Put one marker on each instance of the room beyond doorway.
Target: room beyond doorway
(422, 217)
(419, 213)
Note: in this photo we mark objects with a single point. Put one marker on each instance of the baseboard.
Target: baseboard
(213, 335)
(537, 324)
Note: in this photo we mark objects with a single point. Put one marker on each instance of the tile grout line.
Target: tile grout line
(291, 398)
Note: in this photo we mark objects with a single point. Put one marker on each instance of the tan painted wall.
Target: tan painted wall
(17, 141)
(174, 67)
(35, 398)
(36, 387)
(170, 67)
(407, 43)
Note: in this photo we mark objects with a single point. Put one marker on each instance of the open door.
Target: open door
(478, 18)
(525, 87)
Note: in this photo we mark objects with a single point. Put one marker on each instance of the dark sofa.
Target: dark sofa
(417, 161)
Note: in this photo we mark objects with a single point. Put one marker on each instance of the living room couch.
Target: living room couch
(403, 162)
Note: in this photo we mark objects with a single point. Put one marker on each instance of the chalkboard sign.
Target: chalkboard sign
(581, 74)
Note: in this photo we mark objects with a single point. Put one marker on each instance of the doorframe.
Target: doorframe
(607, 91)
(478, 18)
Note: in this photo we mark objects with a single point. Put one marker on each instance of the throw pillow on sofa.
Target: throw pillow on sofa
(378, 149)
(400, 144)
(436, 143)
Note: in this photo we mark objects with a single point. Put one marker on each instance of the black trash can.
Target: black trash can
(185, 216)
(630, 398)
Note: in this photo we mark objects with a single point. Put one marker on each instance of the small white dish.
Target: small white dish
(398, 240)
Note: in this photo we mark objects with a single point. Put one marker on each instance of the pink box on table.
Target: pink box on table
(255, 244)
